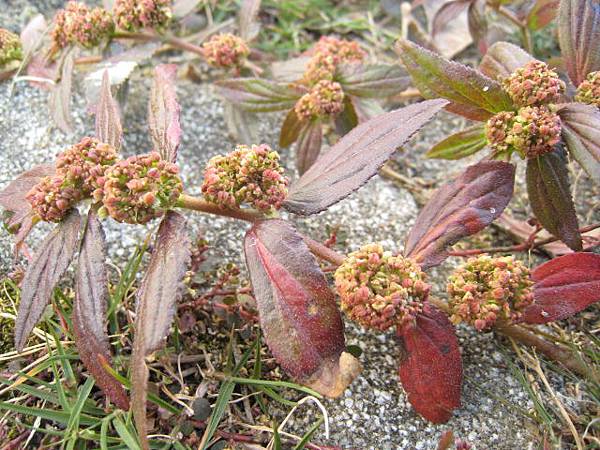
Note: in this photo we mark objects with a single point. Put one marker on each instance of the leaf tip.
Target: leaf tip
(334, 377)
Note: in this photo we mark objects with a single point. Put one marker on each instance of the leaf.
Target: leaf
(290, 130)
(258, 95)
(46, 269)
(502, 59)
(581, 134)
(550, 197)
(33, 34)
(542, 13)
(59, 100)
(564, 286)
(298, 314)
(156, 299)
(163, 112)
(366, 109)
(578, 35)
(460, 145)
(473, 95)
(309, 145)
(182, 8)
(247, 17)
(431, 370)
(347, 119)
(448, 12)
(453, 38)
(243, 125)
(357, 157)
(478, 24)
(290, 70)
(108, 120)
(372, 81)
(459, 209)
(89, 310)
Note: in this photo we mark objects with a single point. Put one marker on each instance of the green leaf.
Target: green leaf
(550, 197)
(460, 145)
(581, 133)
(373, 81)
(259, 95)
(473, 95)
(126, 434)
(84, 393)
(309, 434)
(47, 414)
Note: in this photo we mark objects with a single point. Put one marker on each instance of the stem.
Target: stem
(324, 252)
(196, 204)
(171, 40)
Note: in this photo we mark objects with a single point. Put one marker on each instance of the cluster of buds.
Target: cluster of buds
(80, 25)
(497, 131)
(10, 47)
(225, 51)
(485, 290)
(379, 290)
(249, 175)
(53, 197)
(139, 188)
(326, 98)
(133, 15)
(533, 84)
(328, 54)
(589, 90)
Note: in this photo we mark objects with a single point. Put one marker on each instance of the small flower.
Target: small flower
(139, 188)
(78, 24)
(249, 175)
(133, 15)
(536, 130)
(533, 84)
(487, 289)
(225, 51)
(497, 130)
(326, 98)
(327, 55)
(379, 290)
(10, 47)
(589, 90)
(53, 197)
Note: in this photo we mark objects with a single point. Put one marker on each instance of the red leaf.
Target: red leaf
(290, 130)
(542, 13)
(309, 145)
(298, 314)
(89, 310)
(108, 121)
(581, 134)
(431, 370)
(502, 59)
(461, 208)
(564, 286)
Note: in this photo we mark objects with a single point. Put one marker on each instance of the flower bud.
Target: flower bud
(131, 195)
(53, 197)
(80, 25)
(379, 290)
(249, 175)
(497, 130)
(10, 47)
(536, 130)
(588, 91)
(533, 84)
(326, 98)
(486, 289)
(327, 55)
(225, 51)
(134, 15)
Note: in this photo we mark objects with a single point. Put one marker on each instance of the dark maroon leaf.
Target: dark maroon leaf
(579, 34)
(357, 157)
(581, 134)
(259, 95)
(290, 130)
(550, 197)
(542, 13)
(108, 121)
(309, 145)
(89, 310)
(448, 12)
(59, 100)
(347, 119)
(46, 269)
(502, 59)
(564, 286)
(460, 145)
(459, 209)
(298, 314)
(431, 369)
(372, 81)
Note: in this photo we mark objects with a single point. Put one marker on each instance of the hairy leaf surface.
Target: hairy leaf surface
(309, 145)
(581, 134)
(259, 95)
(502, 59)
(108, 120)
(373, 81)
(460, 145)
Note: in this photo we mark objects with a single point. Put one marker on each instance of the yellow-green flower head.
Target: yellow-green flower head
(79, 25)
(10, 47)
(588, 91)
(134, 15)
(225, 51)
(53, 197)
(534, 84)
(326, 98)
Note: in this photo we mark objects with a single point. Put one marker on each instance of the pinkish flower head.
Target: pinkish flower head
(588, 91)
(249, 175)
(139, 188)
(497, 130)
(79, 25)
(486, 289)
(327, 54)
(225, 51)
(379, 290)
(536, 130)
(533, 84)
(326, 98)
(133, 15)
(10, 47)
(53, 197)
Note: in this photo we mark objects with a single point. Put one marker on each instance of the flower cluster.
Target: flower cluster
(498, 129)
(487, 289)
(379, 290)
(139, 188)
(326, 98)
(133, 15)
(589, 90)
(53, 197)
(249, 175)
(533, 84)
(225, 51)
(327, 55)
(78, 24)
(10, 47)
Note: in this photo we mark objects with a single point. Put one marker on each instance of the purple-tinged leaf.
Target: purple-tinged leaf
(473, 95)
(502, 59)
(309, 145)
(447, 13)
(372, 81)
(108, 121)
(478, 24)
(356, 157)
(579, 35)
(459, 209)
(243, 125)
(182, 8)
(290, 70)
(431, 369)
(163, 113)
(258, 95)
(298, 314)
(366, 108)
(460, 145)
(581, 134)
(33, 34)
(542, 13)
(156, 300)
(46, 269)
(89, 310)
(290, 130)
(247, 17)
(347, 119)
(59, 100)
(550, 197)
(564, 286)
